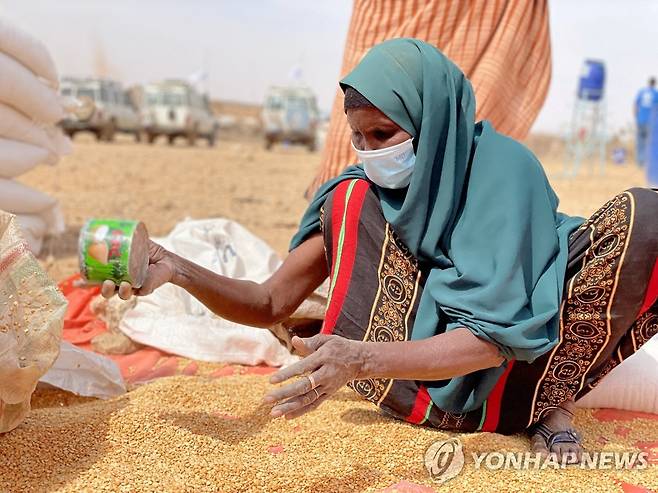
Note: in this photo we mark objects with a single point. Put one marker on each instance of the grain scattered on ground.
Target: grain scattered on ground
(209, 435)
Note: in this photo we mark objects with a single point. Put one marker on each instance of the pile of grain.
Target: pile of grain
(200, 434)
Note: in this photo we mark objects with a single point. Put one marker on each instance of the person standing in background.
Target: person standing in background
(503, 47)
(646, 98)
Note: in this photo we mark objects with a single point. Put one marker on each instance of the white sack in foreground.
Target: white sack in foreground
(85, 373)
(633, 385)
(172, 320)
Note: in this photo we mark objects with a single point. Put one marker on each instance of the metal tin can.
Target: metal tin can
(115, 249)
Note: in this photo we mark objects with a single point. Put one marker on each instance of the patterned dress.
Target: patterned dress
(608, 311)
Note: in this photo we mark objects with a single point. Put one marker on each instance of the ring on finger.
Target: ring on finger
(317, 394)
(312, 381)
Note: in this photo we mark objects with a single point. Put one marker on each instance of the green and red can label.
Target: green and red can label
(105, 248)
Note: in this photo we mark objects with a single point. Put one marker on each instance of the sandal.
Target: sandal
(552, 437)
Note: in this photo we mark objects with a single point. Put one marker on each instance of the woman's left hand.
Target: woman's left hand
(330, 362)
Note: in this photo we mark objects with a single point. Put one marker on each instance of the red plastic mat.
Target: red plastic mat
(81, 326)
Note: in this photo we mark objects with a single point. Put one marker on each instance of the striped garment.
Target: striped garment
(503, 46)
(609, 309)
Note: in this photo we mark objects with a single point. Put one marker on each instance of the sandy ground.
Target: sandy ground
(263, 190)
(162, 185)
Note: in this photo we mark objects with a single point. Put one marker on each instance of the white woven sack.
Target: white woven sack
(16, 126)
(34, 229)
(17, 158)
(23, 90)
(21, 199)
(27, 50)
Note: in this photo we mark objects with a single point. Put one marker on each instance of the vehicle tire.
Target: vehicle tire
(191, 137)
(138, 136)
(108, 132)
(312, 147)
(171, 139)
(98, 134)
(268, 144)
(150, 137)
(70, 134)
(212, 139)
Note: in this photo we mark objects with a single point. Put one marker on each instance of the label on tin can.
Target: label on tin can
(105, 246)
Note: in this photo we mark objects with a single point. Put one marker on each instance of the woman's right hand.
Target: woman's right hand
(160, 271)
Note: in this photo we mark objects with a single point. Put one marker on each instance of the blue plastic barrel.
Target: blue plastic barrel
(592, 80)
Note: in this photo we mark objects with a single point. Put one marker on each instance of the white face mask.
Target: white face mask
(390, 167)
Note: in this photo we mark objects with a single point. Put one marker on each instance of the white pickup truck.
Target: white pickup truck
(174, 109)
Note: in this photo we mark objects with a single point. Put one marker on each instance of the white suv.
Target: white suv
(175, 109)
(114, 110)
(290, 114)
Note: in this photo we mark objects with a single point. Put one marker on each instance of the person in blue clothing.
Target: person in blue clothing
(646, 98)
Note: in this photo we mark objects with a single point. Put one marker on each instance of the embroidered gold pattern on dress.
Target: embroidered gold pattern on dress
(584, 323)
(389, 320)
(644, 328)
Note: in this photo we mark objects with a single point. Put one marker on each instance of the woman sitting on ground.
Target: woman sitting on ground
(459, 297)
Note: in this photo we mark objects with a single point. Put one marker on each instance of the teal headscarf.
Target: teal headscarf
(479, 211)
